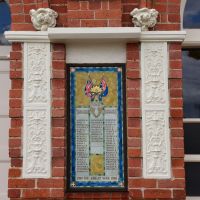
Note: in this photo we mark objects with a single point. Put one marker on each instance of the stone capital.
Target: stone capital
(144, 18)
(43, 18)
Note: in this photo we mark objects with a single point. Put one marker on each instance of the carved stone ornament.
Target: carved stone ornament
(155, 110)
(36, 111)
(43, 18)
(144, 18)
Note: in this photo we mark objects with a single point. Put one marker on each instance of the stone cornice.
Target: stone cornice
(65, 35)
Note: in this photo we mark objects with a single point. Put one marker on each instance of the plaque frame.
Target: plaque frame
(69, 188)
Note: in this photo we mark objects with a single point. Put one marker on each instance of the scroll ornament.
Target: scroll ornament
(144, 18)
(43, 18)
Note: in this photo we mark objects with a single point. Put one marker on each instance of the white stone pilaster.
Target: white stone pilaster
(155, 110)
(36, 111)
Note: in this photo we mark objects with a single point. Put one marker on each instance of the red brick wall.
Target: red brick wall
(95, 13)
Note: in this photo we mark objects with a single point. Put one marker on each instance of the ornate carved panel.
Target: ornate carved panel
(155, 110)
(36, 74)
(36, 138)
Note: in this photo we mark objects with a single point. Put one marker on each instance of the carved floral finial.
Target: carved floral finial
(144, 18)
(43, 18)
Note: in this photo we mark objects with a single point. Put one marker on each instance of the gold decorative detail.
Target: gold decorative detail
(96, 165)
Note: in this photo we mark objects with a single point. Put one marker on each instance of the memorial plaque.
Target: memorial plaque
(96, 149)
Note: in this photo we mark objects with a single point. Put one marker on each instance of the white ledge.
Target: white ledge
(192, 158)
(65, 35)
(103, 33)
(171, 36)
(27, 36)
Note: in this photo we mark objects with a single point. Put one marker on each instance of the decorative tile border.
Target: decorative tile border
(155, 110)
(36, 135)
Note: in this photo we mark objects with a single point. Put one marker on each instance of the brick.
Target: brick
(36, 193)
(176, 93)
(15, 112)
(134, 142)
(94, 23)
(133, 55)
(15, 74)
(179, 183)
(58, 162)
(58, 65)
(58, 55)
(168, 27)
(134, 113)
(14, 153)
(17, 84)
(176, 112)
(133, 103)
(134, 152)
(134, 162)
(50, 183)
(84, 5)
(134, 122)
(14, 143)
(16, 162)
(15, 172)
(80, 14)
(14, 132)
(177, 163)
(58, 142)
(21, 183)
(57, 193)
(16, 8)
(59, 8)
(16, 46)
(173, 8)
(175, 73)
(108, 14)
(15, 103)
(178, 194)
(58, 93)
(133, 84)
(179, 173)
(176, 103)
(135, 172)
(56, 74)
(136, 193)
(58, 132)
(58, 122)
(138, 183)
(178, 153)
(15, 93)
(16, 123)
(177, 143)
(14, 193)
(134, 132)
(175, 83)
(94, 5)
(14, 55)
(161, 8)
(133, 74)
(174, 18)
(58, 172)
(157, 193)
(73, 5)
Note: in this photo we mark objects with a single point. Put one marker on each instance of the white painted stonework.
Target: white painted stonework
(102, 52)
(155, 110)
(104, 45)
(43, 18)
(37, 115)
(145, 18)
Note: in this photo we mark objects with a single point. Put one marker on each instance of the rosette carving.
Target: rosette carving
(43, 18)
(144, 18)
